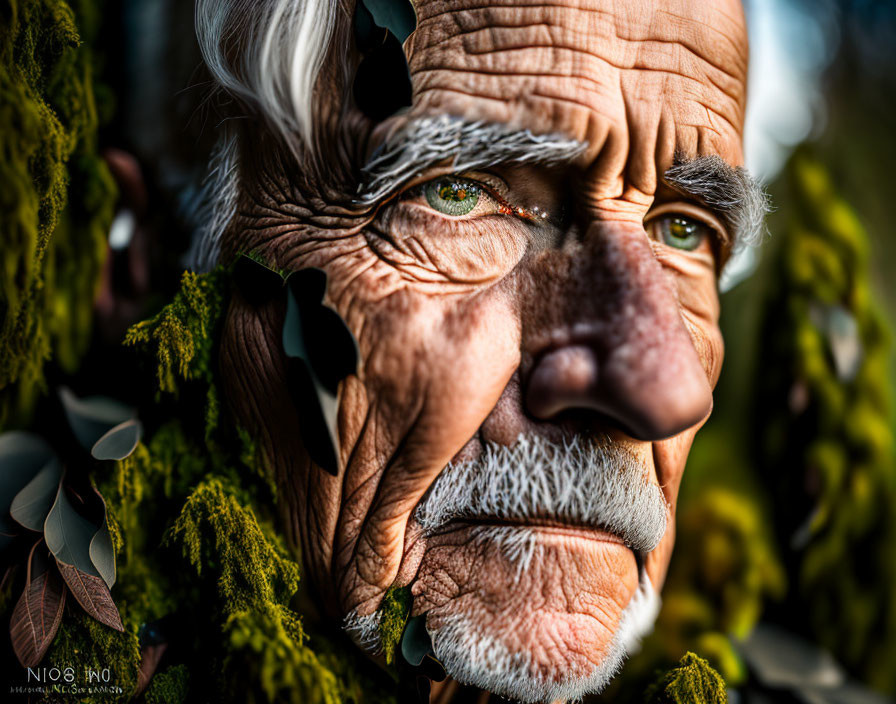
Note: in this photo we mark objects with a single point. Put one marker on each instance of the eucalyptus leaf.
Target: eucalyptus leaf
(22, 456)
(293, 338)
(415, 642)
(32, 504)
(102, 554)
(118, 442)
(68, 535)
(38, 612)
(317, 409)
(257, 282)
(382, 84)
(92, 594)
(92, 417)
(324, 351)
(397, 16)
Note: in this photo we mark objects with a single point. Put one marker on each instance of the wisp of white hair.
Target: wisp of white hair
(576, 482)
(269, 53)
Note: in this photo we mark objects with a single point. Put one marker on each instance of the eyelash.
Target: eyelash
(502, 205)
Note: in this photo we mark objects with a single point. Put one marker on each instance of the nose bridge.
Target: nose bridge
(609, 337)
(631, 303)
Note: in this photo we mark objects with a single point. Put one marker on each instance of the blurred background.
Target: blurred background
(784, 576)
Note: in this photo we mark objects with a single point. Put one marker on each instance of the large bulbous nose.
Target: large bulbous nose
(618, 346)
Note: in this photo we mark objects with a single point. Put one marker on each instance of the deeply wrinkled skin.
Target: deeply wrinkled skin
(474, 330)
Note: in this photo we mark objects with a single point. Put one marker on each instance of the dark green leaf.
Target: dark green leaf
(315, 332)
(324, 352)
(22, 455)
(415, 643)
(382, 84)
(32, 504)
(68, 535)
(102, 554)
(293, 342)
(92, 417)
(118, 442)
(258, 283)
(397, 16)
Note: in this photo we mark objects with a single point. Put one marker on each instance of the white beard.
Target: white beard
(604, 487)
(475, 657)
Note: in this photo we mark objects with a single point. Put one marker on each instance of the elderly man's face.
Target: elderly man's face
(537, 323)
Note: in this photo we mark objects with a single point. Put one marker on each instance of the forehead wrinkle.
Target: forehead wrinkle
(428, 141)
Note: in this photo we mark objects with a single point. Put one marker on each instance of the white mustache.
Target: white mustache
(598, 486)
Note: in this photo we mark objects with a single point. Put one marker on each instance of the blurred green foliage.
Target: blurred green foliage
(56, 194)
(827, 451)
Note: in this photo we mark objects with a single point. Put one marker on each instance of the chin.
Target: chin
(533, 615)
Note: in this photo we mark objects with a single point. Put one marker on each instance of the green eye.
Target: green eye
(452, 196)
(681, 232)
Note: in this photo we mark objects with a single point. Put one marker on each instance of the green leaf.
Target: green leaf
(32, 504)
(92, 417)
(397, 16)
(118, 442)
(22, 455)
(69, 534)
(415, 643)
(102, 554)
(293, 342)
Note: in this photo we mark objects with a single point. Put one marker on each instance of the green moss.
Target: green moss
(56, 195)
(181, 336)
(262, 643)
(251, 566)
(170, 686)
(83, 642)
(693, 681)
(395, 608)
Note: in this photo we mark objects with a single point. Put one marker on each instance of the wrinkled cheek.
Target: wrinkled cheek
(698, 298)
(475, 254)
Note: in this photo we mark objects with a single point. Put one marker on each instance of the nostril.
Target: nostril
(647, 396)
(563, 378)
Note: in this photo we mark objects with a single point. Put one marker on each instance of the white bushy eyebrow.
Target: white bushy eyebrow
(428, 141)
(729, 191)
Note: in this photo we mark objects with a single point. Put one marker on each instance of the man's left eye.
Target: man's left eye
(680, 231)
(452, 196)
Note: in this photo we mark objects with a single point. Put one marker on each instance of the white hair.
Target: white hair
(578, 482)
(269, 53)
(211, 210)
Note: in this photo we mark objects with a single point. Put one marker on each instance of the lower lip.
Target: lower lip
(545, 527)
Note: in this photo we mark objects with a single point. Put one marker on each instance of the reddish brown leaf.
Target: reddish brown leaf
(37, 614)
(149, 662)
(92, 594)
